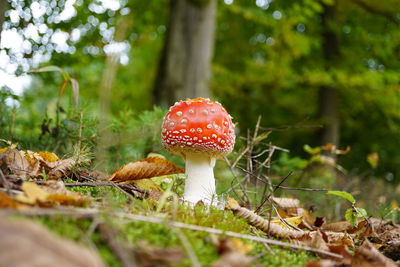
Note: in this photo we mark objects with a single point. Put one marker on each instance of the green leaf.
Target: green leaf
(311, 150)
(344, 195)
(361, 213)
(351, 217)
(52, 69)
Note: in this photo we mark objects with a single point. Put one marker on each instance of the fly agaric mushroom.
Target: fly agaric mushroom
(201, 131)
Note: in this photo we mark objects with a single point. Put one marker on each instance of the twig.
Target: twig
(268, 196)
(122, 186)
(153, 219)
(300, 189)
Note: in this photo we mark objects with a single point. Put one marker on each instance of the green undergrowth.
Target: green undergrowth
(161, 235)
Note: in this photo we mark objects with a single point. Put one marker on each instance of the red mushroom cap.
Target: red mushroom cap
(198, 126)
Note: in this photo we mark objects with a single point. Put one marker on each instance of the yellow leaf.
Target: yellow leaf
(48, 156)
(146, 184)
(232, 203)
(295, 221)
(2, 150)
(33, 193)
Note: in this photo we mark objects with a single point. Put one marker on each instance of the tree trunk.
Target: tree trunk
(185, 65)
(328, 96)
(3, 8)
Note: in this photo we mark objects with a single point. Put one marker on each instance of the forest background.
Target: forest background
(316, 72)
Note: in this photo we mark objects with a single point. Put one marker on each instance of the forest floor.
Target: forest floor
(51, 212)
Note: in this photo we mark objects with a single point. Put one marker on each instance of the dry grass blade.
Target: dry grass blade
(145, 168)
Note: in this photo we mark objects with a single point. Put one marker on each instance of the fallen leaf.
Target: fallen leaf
(68, 200)
(233, 259)
(14, 161)
(48, 156)
(145, 168)
(24, 243)
(286, 202)
(59, 168)
(36, 195)
(6, 202)
(33, 194)
(148, 255)
(233, 252)
(368, 256)
(293, 221)
(321, 263)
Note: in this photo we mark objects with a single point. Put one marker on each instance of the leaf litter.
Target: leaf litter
(369, 242)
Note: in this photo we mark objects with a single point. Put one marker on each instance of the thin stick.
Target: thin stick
(267, 197)
(153, 219)
(300, 189)
(122, 186)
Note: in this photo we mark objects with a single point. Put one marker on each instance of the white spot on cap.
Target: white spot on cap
(204, 111)
(184, 121)
(195, 138)
(209, 126)
(222, 141)
(175, 132)
(171, 124)
(214, 136)
(225, 123)
(192, 130)
(164, 130)
(189, 143)
(172, 143)
(199, 130)
(213, 110)
(179, 113)
(191, 111)
(183, 130)
(205, 137)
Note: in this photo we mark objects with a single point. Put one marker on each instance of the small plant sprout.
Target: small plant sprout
(354, 213)
(201, 131)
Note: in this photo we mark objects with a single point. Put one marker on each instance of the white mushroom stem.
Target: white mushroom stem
(200, 182)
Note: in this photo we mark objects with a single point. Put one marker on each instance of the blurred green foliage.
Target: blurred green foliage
(268, 61)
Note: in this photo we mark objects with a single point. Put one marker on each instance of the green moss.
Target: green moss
(162, 235)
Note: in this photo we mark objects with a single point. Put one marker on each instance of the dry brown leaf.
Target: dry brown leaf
(148, 255)
(233, 259)
(68, 200)
(368, 256)
(145, 168)
(233, 252)
(6, 202)
(59, 168)
(15, 162)
(24, 243)
(321, 263)
(286, 202)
